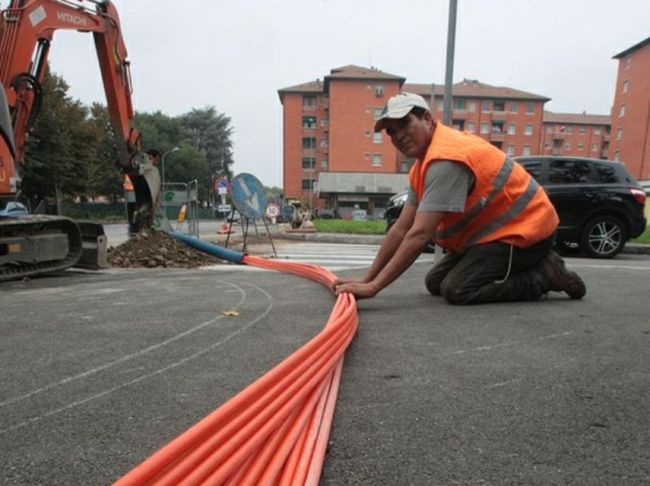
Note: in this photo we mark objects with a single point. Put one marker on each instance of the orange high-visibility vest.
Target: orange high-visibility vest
(128, 185)
(505, 205)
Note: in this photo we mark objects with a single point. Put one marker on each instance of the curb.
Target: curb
(630, 248)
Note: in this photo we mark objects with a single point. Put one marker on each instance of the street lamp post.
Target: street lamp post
(162, 164)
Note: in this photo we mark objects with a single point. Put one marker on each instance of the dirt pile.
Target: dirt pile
(157, 249)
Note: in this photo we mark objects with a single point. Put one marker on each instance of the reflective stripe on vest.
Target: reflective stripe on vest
(499, 182)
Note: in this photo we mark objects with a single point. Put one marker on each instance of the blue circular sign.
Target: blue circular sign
(248, 195)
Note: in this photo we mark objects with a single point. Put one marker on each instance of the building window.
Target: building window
(308, 184)
(510, 149)
(324, 122)
(530, 108)
(626, 86)
(619, 134)
(458, 124)
(597, 131)
(376, 137)
(512, 129)
(486, 106)
(308, 143)
(582, 130)
(472, 107)
(594, 147)
(514, 107)
(628, 61)
(471, 127)
(569, 130)
(580, 146)
(528, 130)
(308, 122)
(485, 128)
(621, 111)
(441, 105)
(379, 90)
(616, 155)
(567, 145)
(497, 126)
(526, 150)
(323, 164)
(309, 163)
(376, 160)
(499, 106)
(324, 143)
(459, 103)
(308, 101)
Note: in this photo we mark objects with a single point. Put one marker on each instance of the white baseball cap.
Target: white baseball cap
(398, 107)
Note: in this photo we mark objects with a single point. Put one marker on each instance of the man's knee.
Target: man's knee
(433, 280)
(453, 293)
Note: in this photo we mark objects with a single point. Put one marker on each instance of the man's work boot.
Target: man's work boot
(562, 280)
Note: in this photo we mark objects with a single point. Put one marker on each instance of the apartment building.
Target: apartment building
(575, 135)
(333, 158)
(630, 139)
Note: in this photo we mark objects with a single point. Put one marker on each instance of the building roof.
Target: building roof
(472, 88)
(576, 118)
(636, 46)
(353, 72)
(310, 87)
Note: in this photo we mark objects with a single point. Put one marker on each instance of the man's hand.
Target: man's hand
(360, 290)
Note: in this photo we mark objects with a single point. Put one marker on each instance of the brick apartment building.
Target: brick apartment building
(630, 139)
(332, 158)
(575, 135)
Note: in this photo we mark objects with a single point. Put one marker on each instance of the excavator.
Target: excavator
(38, 244)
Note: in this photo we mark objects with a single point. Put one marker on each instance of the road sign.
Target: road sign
(248, 196)
(224, 208)
(221, 186)
(272, 211)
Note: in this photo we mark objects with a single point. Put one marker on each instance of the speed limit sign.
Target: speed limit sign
(272, 211)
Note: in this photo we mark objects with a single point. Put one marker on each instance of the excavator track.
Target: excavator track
(37, 245)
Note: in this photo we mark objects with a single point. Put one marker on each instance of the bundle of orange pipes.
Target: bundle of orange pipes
(276, 430)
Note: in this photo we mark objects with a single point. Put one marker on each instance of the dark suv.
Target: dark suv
(599, 203)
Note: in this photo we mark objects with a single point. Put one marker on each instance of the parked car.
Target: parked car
(359, 214)
(601, 206)
(393, 210)
(14, 209)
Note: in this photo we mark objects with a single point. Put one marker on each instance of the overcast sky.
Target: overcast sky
(235, 55)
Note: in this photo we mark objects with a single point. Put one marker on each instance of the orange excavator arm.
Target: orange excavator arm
(26, 34)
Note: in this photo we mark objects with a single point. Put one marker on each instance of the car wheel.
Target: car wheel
(603, 237)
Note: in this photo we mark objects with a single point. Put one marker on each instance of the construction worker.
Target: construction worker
(495, 222)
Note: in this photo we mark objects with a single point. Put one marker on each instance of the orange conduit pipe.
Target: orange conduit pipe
(275, 431)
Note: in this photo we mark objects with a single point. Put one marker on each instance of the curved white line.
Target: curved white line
(127, 357)
(148, 375)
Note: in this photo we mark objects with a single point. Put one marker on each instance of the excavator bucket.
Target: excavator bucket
(94, 246)
(146, 184)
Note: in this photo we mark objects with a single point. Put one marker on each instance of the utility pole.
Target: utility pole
(449, 72)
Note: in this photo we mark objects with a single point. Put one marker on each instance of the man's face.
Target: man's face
(410, 135)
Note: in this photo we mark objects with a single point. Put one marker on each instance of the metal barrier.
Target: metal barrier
(183, 200)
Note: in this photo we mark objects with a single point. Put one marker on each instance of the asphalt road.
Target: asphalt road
(98, 370)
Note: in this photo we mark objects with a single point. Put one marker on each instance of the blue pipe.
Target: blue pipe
(209, 248)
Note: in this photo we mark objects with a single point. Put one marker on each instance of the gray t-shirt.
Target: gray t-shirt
(446, 186)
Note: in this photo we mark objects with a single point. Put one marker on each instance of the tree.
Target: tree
(59, 146)
(210, 132)
(104, 175)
